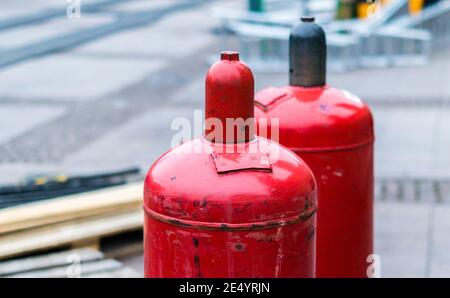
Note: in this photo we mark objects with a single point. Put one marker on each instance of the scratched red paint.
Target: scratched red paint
(216, 214)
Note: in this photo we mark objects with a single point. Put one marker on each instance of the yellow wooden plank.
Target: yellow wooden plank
(72, 207)
(66, 233)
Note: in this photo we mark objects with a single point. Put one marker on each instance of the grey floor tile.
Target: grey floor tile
(401, 238)
(141, 5)
(177, 35)
(60, 77)
(410, 141)
(17, 119)
(146, 138)
(26, 35)
(440, 252)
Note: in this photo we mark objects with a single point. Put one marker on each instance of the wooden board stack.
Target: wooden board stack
(76, 221)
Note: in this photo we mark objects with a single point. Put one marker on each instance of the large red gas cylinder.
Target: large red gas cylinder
(332, 131)
(229, 205)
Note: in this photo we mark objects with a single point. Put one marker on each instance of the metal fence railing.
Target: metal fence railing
(394, 37)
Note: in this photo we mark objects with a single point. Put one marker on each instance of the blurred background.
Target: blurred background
(89, 89)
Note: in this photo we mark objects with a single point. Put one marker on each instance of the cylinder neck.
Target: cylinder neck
(229, 101)
(307, 54)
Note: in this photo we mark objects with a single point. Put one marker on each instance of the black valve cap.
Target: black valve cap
(307, 54)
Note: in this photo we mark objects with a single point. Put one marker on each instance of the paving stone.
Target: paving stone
(445, 191)
(16, 9)
(379, 191)
(418, 82)
(440, 254)
(25, 35)
(10, 8)
(17, 119)
(427, 191)
(409, 191)
(441, 141)
(404, 140)
(192, 95)
(60, 77)
(169, 38)
(388, 85)
(412, 131)
(401, 238)
(140, 44)
(391, 190)
(69, 134)
(141, 5)
(194, 21)
(146, 138)
(436, 191)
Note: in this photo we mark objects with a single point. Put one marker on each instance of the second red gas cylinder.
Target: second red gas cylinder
(332, 131)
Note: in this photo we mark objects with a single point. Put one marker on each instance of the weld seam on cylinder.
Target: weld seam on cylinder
(333, 149)
(263, 225)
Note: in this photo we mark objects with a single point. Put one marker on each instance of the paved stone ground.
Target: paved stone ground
(106, 102)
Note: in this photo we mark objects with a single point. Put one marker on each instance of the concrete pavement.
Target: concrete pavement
(108, 104)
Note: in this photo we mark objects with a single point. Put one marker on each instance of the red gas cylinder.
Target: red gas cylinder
(229, 205)
(332, 131)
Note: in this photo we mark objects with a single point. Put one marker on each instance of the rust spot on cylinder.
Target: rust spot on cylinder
(197, 266)
(243, 208)
(311, 233)
(239, 247)
(196, 242)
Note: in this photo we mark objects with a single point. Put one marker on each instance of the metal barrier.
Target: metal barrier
(393, 46)
(389, 39)
(435, 19)
(265, 48)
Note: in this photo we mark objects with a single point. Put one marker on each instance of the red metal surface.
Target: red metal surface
(215, 209)
(332, 131)
(229, 85)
